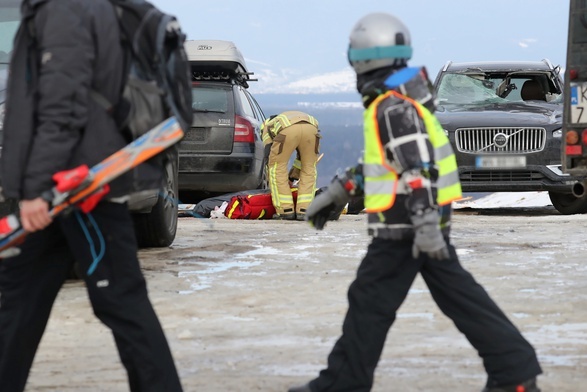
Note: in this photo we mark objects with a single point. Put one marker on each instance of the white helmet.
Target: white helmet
(378, 40)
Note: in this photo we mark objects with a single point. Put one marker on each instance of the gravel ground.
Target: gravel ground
(257, 306)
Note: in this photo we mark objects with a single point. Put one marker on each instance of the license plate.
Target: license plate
(195, 135)
(499, 161)
(578, 103)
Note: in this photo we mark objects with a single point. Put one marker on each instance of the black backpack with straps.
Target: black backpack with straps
(157, 75)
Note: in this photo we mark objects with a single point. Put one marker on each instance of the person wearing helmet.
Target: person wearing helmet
(283, 134)
(409, 178)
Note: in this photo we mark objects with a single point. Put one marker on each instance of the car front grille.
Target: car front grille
(519, 140)
(483, 176)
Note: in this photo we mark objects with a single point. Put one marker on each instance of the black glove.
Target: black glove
(428, 237)
(320, 208)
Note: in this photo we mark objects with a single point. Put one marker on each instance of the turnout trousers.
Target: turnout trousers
(304, 137)
(30, 282)
(381, 285)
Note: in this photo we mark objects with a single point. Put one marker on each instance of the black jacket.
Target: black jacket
(51, 122)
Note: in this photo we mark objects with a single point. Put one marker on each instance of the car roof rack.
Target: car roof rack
(217, 60)
(446, 65)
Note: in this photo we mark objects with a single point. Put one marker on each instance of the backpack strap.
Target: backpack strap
(100, 99)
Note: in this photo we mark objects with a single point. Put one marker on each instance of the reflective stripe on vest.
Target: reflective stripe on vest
(381, 180)
(448, 183)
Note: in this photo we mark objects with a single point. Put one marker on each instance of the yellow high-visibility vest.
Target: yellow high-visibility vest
(381, 179)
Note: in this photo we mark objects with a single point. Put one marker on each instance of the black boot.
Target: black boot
(284, 216)
(301, 388)
(288, 214)
(526, 386)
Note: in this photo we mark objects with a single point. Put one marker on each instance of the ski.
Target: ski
(76, 185)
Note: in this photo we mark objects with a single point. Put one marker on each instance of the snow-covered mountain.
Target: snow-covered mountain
(287, 82)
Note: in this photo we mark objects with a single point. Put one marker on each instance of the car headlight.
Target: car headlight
(558, 133)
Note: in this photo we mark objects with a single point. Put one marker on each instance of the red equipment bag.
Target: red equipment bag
(254, 206)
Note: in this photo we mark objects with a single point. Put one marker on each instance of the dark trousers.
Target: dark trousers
(382, 283)
(29, 284)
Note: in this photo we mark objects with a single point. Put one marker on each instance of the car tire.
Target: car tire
(264, 177)
(567, 203)
(158, 228)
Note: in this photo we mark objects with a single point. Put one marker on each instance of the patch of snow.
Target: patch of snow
(507, 199)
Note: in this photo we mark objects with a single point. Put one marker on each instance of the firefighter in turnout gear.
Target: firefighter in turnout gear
(282, 135)
(409, 178)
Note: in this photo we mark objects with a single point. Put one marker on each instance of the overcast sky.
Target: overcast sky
(287, 43)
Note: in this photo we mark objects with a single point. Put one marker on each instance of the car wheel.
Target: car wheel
(264, 177)
(158, 228)
(567, 203)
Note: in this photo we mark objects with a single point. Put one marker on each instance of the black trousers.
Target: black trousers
(382, 283)
(29, 284)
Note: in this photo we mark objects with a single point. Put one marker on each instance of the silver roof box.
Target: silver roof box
(215, 55)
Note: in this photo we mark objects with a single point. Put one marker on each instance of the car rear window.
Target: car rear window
(205, 99)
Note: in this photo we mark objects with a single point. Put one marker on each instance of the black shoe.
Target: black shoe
(526, 386)
(301, 214)
(301, 388)
(284, 216)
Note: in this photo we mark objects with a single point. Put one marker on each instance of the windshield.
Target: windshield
(9, 20)
(487, 88)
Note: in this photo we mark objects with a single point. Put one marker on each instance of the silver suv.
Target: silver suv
(504, 121)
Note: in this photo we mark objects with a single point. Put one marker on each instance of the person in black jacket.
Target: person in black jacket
(63, 50)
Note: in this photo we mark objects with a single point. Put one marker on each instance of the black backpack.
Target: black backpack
(158, 82)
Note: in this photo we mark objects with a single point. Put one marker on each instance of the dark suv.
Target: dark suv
(504, 121)
(9, 21)
(223, 150)
(154, 211)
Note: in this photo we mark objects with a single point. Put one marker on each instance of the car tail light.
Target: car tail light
(584, 136)
(573, 150)
(243, 130)
(572, 140)
(573, 74)
(572, 137)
